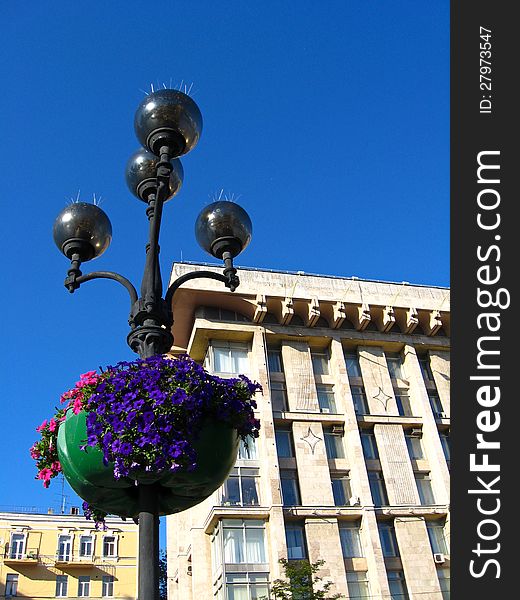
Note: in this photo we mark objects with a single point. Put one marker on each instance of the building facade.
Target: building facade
(352, 462)
(64, 556)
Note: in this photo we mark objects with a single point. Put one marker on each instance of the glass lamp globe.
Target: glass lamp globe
(140, 175)
(168, 118)
(223, 226)
(82, 228)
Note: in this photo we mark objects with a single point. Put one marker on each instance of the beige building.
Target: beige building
(352, 463)
(64, 556)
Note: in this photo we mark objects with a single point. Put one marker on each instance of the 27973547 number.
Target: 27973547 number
(485, 59)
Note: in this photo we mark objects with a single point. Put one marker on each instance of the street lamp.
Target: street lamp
(168, 124)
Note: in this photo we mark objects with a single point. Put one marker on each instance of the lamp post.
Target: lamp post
(168, 124)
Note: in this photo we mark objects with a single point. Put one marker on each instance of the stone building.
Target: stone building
(352, 463)
(64, 556)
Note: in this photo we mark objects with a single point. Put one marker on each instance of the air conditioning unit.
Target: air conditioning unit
(438, 557)
(325, 410)
(338, 430)
(416, 432)
(441, 415)
(354, 501)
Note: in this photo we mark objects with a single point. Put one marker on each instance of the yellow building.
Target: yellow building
(64, 556)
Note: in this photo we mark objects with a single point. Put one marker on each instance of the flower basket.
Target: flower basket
(158, 422)
(94, 481)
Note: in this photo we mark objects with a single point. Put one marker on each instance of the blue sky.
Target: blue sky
(329, 120)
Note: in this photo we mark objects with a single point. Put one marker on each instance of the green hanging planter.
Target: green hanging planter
(155, 431)
(84, 470)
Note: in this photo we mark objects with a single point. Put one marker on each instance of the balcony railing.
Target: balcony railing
(30, 555)
(75, 560)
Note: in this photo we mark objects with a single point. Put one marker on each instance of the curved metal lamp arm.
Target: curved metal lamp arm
(110, 275)
(230, 281)
(75, 278)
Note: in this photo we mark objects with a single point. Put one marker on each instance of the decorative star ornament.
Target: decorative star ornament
(383, 397)
(311, 439)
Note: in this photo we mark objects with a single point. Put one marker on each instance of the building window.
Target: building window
(369, 444)
(388, 540)
(395, 366)
(377, 488)
(290, 487)
(85, 545)
(11, 585)
(426, 369)
(295, 538)
(397, 585)
(424, 487)
(326, 398)
(413, 443)
(333, 445)
(402, 399)
(320, 362)
(241, 487)
(279, 396)
(359, 399)
(284, 443)
(357, 583)
(17, 545)
(243, 541)
(341, 490)
(445, 443)
(437, 537)
(109, 546)
(83, 586)
(435, 403)
(247, 451)
(223, 314)
(444, 582)
(228, 358)
(64, 548)
(243, 544)
(352, 362)
(350, 538)
(107, 589)
(247, 586)
(62, 582)
(274, 360)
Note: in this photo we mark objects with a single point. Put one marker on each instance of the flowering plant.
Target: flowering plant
(145, 415)
(45, 450)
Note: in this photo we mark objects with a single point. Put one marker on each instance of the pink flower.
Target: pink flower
(77, 406)
(89, 378)
(35, 452)
(52, 425)
(46, 475)
(66, 396)
(42, 426)
(88, 375)
(56, 466)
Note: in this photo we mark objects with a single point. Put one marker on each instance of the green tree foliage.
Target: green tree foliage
(302, 582)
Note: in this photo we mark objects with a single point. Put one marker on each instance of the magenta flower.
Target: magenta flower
(42, 426)
(46, 475)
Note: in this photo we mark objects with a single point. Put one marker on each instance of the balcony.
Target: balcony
(29, 557)
(72, 561)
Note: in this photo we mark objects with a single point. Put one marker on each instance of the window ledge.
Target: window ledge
(240, 512)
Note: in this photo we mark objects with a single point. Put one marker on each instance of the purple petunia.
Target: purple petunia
(146, 414)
